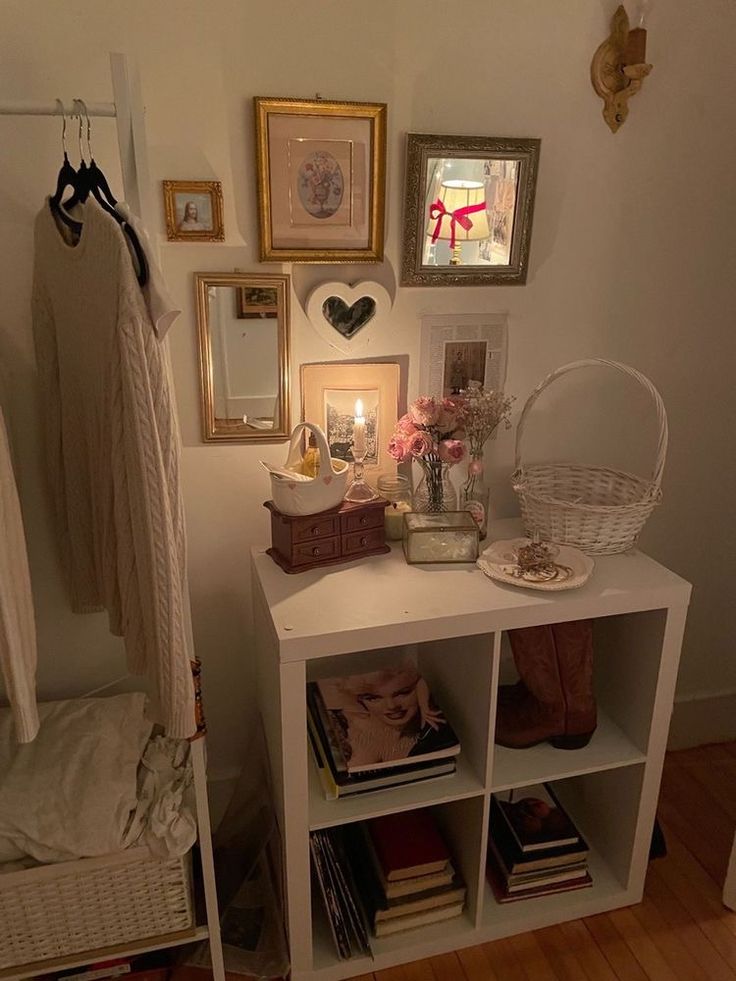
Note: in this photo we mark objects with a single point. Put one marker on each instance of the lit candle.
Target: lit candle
(359, 432)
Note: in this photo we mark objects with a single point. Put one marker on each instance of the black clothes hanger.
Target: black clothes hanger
(66, 178)
(91, 180)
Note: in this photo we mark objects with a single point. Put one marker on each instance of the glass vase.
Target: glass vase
(435, 491)
(475, 495)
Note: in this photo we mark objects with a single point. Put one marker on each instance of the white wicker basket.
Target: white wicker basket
(73, 907)
(596, 509)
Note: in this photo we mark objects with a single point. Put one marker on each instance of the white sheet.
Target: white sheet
(70, 793)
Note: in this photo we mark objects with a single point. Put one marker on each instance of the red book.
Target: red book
(408, 844)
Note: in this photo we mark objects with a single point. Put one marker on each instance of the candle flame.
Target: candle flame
(359, 407)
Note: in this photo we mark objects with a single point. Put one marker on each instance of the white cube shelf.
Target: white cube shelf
(336, 621)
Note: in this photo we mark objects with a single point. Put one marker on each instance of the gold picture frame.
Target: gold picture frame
(197, 204)
(321, 180)
(329, 392)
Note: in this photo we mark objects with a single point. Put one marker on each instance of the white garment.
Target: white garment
(112, 450)
(162, 309)
(17, 626)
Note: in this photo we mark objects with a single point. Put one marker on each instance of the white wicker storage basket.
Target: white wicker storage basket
(596, 509)
(72, 907)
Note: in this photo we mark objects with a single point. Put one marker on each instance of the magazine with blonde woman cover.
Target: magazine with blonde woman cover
(386, 718)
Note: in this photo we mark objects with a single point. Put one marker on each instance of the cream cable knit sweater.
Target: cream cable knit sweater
(17, 626)
(113, 451)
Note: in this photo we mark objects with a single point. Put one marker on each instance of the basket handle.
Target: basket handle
(325, 462)
(627, 370)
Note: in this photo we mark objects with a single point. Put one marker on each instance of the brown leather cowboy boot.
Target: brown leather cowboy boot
(530, 712)
(574, 646)
(554, 698)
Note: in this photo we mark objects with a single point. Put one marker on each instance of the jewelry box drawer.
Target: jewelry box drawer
(361, 541)
(372, 518)
(315, 551)
(314, 527)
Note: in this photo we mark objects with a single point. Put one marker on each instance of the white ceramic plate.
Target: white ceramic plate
(498, 562)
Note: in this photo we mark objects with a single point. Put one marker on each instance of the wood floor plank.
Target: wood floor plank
(668, 942)
(703, 825)
(476, 966)
(391, 974)
(614, 948)
(447, 967)
(688, 929)
(561, 957)
(587, 952)
(532, 958)
(500, 955)
(642, 946)
(419, 971)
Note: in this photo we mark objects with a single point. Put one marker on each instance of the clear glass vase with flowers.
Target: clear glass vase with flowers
(484, 412)
(431, 433)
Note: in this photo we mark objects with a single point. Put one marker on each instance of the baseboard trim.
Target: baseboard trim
(701, 718)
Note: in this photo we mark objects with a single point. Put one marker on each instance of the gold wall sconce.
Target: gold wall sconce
(618, 68)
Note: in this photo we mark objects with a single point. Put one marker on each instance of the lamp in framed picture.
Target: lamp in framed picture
(321, 180)
(346, 399)
(459, 215)
(468, 210)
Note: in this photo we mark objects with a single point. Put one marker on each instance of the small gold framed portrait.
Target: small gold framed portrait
(194, 211)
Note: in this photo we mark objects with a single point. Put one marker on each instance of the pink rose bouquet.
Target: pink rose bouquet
(431, 433)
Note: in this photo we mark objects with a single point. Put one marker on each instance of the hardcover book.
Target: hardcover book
(383, 719)
(536, 819)
(514, 860)
(408, 844)
(504, 895)
(402, 923)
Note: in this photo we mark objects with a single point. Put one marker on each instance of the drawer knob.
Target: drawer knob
(315, 551)
(314, 530)
(363, 540)
(364, 520)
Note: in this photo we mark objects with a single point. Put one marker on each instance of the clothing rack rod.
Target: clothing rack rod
(52, 109)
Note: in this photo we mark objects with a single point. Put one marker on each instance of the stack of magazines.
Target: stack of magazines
(377, 730)
(342, 904)
(534, 847)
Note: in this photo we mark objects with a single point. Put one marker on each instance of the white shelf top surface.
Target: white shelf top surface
(381, 600)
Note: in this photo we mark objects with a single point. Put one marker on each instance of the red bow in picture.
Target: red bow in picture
(438, 211)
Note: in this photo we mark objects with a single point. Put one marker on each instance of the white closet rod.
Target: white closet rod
(52, 109)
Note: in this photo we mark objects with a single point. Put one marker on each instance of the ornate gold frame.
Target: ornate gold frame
(376, 113)
(214, 189)
(419, 148)
(216, 430)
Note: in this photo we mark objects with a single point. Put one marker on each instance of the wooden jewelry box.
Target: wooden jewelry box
(344, 533)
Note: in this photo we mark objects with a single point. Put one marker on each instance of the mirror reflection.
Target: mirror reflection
(243, 331)
(469, 209)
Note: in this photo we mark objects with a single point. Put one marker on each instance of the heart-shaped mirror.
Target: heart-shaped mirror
(348, 319)
(340, 311)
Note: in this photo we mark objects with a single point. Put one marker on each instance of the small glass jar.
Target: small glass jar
(396, 490)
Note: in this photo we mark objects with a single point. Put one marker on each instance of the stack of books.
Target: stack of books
(404, 872)
(378, 730)
(384, 876)
(534, 847)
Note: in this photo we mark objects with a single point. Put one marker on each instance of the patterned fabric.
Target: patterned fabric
(113, 450)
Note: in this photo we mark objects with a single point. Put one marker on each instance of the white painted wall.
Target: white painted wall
(632, 258)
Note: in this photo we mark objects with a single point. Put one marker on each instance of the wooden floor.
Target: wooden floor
(680, 932)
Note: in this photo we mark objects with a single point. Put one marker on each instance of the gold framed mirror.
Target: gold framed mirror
(243, 327)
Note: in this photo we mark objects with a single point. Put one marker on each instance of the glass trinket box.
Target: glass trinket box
(445, 536)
